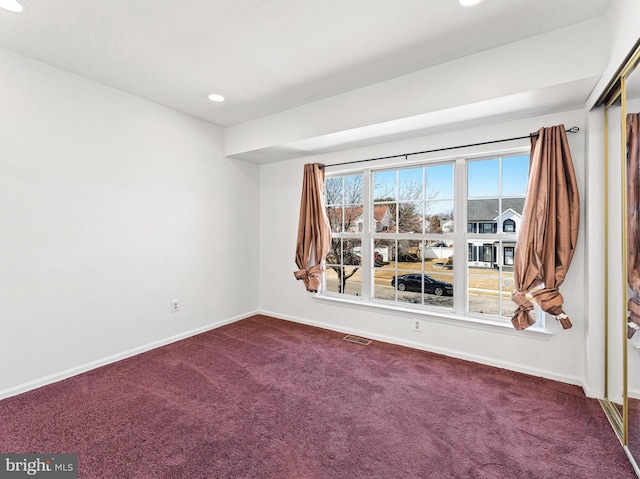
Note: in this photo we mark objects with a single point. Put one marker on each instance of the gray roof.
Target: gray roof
(486, 210)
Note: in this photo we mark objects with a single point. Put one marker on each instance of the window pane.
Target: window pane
(343, 279)
(410, 184)
(384, 186)
(351, 252)
(409, 287)
(484, 295)
(344, 203)
(352, 219)
(334, 256)
(334, 213)
(512, 210)
(386, 250)
(382, 288)
(352, 281)
(438, 291)
(484, 213)
(410, 217)
(409, 254)
(439, 217)
(353, 190)
(515, 171)
(439, 182)
(490, 284)
(482, 178)
(384, 218)
(508, 306)
(442, 253)
(331, 278)
(333, 191)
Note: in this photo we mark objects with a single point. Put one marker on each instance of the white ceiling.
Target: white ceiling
(267, 56)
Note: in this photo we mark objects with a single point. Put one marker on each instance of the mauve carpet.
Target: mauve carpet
(265, 398)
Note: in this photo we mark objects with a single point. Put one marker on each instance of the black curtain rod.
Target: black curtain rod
(573, 129)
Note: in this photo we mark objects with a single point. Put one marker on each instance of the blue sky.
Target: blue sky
(483, 179)
(439, 180)
(483, 176)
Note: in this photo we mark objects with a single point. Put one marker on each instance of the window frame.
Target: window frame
(460, 236)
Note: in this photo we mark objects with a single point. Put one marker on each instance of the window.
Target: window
(509, 226)
(495, 196)
(508, 255)
(487, 228)
(344, 204)
(487, 254)
(413, 225)
(395, 231)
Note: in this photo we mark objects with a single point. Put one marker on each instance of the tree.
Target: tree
(435, 226)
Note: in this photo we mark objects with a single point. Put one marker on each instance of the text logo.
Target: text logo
(39, 466)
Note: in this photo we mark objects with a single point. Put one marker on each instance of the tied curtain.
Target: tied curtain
(314, 231)
(549, 228)
(633, 222)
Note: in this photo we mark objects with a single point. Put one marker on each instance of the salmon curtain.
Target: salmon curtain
(314, 231)
(633, 222)
(549, 228)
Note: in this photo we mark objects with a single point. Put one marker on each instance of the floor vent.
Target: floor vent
(357, 340)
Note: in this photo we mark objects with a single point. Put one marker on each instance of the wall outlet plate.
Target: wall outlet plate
(175, 305)
(417, 326)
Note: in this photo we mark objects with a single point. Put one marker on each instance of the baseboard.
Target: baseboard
(633, 393)
(59, 376)
(531, 371)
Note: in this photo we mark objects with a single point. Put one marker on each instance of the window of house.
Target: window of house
(509, 226)
(412, 218)
(508, 255)
(488, 228)
(487, 254)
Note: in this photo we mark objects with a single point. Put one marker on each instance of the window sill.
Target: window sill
(439, 317)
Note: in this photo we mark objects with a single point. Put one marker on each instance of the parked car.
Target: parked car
(413, 282)
(437, 244)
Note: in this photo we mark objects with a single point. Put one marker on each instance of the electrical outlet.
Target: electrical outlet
(175, 305)
(417, 326)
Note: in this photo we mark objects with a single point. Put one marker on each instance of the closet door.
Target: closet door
(631, 154)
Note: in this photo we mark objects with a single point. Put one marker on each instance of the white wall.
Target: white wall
(110, 207)
(561, 356)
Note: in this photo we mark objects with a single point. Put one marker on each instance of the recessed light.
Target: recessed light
(13, 6)
(468, 3)
(216, 97)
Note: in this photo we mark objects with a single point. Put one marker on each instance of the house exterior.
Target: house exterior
(485, 216)
(447, 226)
(353, 223)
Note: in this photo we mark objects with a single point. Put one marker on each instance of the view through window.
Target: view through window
(394, 233)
